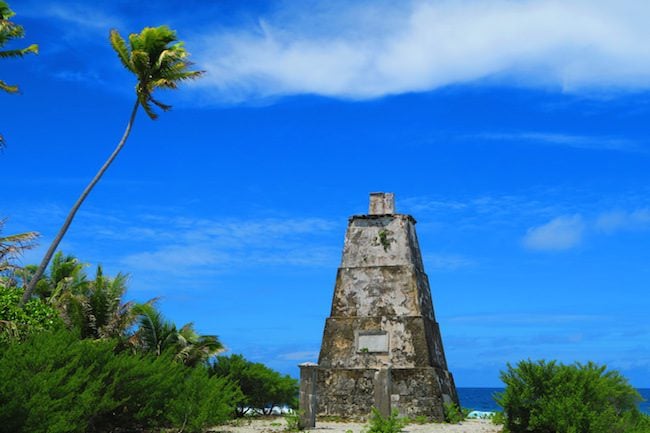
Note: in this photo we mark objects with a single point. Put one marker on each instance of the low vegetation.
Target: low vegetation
(377, 423)
(263, 388)
(455, 414)
(56, 382)
(549, 397)
(78, 358)
(292, 419)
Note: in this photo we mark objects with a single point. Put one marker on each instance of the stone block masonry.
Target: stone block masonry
(381, 345)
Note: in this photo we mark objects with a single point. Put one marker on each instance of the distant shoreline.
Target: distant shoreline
(480, 398)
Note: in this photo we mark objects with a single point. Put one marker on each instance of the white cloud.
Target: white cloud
(204, 245)
(614, 221)
(83, 15)
(569, 140)
(561, 233)
(372, 49)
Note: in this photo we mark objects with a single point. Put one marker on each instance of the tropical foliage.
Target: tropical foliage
(8, 31)
(548, 397)
(56, 382)
(157, 336)
(11, 249)
(157, 60)
(17, 323)
(263, 388)
(76, 357)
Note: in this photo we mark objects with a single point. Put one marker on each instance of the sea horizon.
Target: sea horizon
(480, 398)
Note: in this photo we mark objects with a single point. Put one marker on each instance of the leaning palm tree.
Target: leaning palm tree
(158, 61)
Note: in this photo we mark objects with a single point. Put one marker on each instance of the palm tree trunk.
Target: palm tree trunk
(55, 243)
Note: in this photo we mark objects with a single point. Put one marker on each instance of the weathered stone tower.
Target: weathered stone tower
(381, 345)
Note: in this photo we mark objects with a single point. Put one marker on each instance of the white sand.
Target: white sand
(279, 424)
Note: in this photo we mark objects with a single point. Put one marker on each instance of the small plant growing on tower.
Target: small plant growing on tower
(383, 239)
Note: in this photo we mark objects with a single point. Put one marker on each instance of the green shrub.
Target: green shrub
(202, 401)
(56, 383)
(17, 322)
(454, 414)
(263, 388)
(547, 397)
(498, 418)
(377, 423)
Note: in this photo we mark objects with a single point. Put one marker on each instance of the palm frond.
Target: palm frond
(156, 61)
(5, 11)
(32, 49)
(144, 102)
(119, 45)
(13, 246)
(9, 31)
(8, 87)
(155, 334)
(160, 105)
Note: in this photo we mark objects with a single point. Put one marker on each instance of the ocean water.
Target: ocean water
(481, 399)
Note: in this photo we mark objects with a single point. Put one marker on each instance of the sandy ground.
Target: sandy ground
(278, 425)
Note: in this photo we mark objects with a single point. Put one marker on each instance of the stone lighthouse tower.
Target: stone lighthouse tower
(381, 344)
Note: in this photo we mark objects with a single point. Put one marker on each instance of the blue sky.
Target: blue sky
(516, 133)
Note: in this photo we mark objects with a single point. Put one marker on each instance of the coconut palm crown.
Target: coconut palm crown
(155, 63)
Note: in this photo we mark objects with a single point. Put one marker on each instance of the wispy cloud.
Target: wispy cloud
(613, 221)
(182, 244)
(479, 211)
(568, 231)
(568, 140)
(83, 15)
(561, 233)
(372, 49)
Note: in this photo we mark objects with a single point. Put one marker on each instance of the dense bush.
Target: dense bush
(18, 322)
(547, 397)
(263, 388)
(55, 382)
